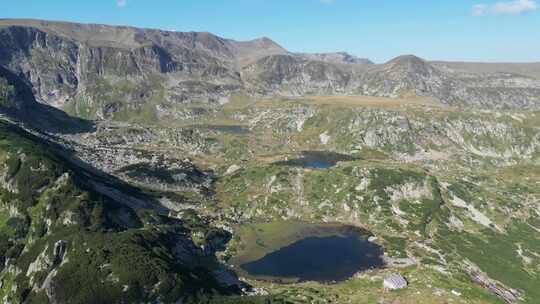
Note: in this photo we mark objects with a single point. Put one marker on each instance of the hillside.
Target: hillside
(99, 71)
(63, 240)
(531, 69)
(150, 166)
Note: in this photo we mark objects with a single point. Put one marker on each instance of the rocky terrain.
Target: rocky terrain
(99, 71)
(132, 161)
(338, 57)
(67, 232)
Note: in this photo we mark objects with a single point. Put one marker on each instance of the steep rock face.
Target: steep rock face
(46, 61)
(15, 96)
(98, 71)
(63, 70)
(18, 103)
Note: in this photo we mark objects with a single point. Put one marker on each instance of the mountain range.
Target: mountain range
(150, 166)
(68, 66)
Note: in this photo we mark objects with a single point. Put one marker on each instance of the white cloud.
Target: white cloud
(513, 7)
(121, 3)
(480, 10)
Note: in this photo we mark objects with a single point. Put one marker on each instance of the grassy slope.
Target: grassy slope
(261, 191)
(248, 195)
(114, 254)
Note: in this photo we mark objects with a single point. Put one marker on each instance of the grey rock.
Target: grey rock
(337, 57)
(394, 282)
(108, 70)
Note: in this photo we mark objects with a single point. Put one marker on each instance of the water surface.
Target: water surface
(322, 259)
(317, 160)
(231, 129)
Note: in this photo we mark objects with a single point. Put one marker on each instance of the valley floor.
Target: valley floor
(452, 196)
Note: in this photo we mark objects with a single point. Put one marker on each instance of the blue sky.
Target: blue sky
(483, 30)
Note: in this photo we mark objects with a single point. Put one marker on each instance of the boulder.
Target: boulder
(394, 282)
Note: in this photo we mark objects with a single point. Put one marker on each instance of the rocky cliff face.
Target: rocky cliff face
(99, 71)
(15, 96)
(17, 102)
(61, 69)
(138, 209)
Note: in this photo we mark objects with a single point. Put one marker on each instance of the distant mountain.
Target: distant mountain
(338, 57)
(294, 76)
(406, 75)
(531, 69)
(123, 179)
(247, 52)
(100, 71)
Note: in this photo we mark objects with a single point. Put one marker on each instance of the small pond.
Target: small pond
(230, 129)
(322, 253)
(317, 160)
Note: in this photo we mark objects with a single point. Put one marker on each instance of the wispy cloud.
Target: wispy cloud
(121, 3)
(480, 9)
(514, 7)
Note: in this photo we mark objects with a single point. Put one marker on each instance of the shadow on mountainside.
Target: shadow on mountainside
(17, 101)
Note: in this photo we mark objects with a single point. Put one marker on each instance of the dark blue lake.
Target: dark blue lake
(322, 259)
(231, 129)
(319, 165)
(316, 160)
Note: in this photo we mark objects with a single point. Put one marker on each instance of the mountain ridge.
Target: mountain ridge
(100, 71)
(191, 155)
(42, 22)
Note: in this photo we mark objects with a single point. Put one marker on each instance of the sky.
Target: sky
(457, 30)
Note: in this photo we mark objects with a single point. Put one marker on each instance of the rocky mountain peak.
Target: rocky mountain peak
(265, 42)
(247, 52)
(407, 58)
(410, 64)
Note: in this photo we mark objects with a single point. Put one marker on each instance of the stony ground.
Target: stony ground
(453, 193)
(177, 143)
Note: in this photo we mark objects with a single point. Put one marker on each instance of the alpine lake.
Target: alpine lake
(290, 252)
